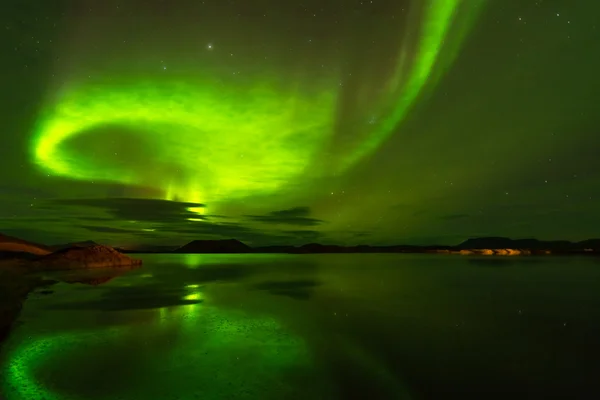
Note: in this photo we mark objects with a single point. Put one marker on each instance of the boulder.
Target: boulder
(96, 256)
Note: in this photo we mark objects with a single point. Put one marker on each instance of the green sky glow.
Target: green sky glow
(402, 121)
(440, 27)
(213, 141)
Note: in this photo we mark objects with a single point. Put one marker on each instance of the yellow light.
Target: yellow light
(193, 296)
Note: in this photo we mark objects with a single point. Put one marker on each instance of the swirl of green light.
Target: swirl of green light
(228, 142)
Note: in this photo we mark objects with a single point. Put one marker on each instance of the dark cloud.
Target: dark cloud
(31, 220)
(137, 209)
(202, 229)
(130, 220)
(107, 229)
(292, 212)
(299, 216)
(88, 218)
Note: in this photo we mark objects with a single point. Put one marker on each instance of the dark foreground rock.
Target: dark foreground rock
(96, 256)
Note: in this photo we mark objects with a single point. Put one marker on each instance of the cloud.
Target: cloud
(136, 209)
(299, 216)
(89, 218)
(200, 229)
(107, 229)
(122, 221)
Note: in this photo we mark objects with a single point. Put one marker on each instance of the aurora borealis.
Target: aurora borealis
(339, 121)
(198, 158)
(231, 141)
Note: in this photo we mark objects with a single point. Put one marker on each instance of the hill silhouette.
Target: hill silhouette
(214, 246)
(14, 248)
(482, 246)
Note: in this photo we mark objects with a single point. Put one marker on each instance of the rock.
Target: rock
(96, 256)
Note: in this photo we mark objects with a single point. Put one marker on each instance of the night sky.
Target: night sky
(336, 121)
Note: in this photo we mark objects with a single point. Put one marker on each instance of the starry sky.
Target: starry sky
(150, 122)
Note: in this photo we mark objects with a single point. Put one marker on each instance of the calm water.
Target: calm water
(314, 327)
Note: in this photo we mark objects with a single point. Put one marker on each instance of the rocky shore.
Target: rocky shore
(95, 256)
(22, 263)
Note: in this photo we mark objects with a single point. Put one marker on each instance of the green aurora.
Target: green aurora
(214, 142)
(379, 122)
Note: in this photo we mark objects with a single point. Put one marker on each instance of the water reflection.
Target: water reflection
(156, 336)
(131, 298)
(317, 327)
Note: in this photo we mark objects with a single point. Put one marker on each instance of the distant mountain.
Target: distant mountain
(14, 248)
(215, 246)
(481, 246)
(317, 248)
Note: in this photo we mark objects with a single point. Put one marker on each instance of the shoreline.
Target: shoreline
(464, 252)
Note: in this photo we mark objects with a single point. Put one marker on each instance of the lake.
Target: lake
(350, 326)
